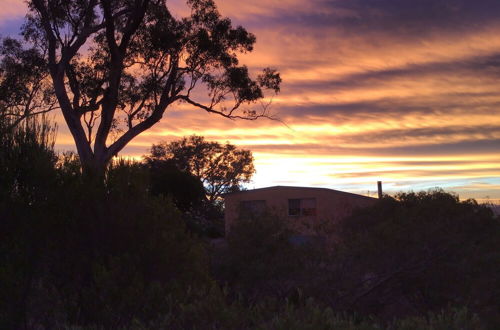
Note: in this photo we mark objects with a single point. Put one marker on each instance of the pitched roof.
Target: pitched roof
(296, 187)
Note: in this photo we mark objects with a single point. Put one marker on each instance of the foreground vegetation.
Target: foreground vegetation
(75, 255)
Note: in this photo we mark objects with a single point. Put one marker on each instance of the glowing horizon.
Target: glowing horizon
(403, 93)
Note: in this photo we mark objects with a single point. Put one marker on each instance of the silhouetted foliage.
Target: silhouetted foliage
(261, 259)
(27, 159)
(139, 60)
(25, 89)
(78, 255)
(421, 252)
(73, 253)
(185, 189)
(27, 175)
(221, 168)
(409, 255)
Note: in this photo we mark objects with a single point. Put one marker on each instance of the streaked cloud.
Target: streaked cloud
(403, 91)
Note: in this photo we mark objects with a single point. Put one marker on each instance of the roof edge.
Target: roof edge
(297, 187)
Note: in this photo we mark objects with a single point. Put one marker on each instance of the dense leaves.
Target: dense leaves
(424, 251)
(167, 179)
(117, 66)
(409, 255)
(27, 160)
(221, 168)
(25, 89)
(258, 258)
(74, 255)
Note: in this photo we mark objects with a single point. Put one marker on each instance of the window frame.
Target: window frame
(301, 207)
(295, 208)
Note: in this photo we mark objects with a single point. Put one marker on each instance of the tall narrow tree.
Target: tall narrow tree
(120, 64)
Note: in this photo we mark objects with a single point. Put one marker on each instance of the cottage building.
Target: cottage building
(304, 208)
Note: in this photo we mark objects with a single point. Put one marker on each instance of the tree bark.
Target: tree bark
(93, 171)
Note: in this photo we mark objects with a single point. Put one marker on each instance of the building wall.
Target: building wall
(331, 206)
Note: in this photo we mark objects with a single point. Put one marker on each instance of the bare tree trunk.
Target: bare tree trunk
(93, 170)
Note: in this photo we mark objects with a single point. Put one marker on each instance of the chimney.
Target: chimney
(379, 186)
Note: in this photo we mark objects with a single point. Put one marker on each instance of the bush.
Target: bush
(104, 260)
(185, 189)
(261, 259)
(421, 252)
(203, 217)
(81, 255)
(409, 255)
(27, 175)
(213, 310)
(27, 161)
(453, 318)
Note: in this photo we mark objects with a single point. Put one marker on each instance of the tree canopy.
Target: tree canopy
(220, 167)
(117, 65)
(25, 89)
(186, 190)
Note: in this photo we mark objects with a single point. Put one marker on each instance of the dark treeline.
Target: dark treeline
(131, 255)
(88, 243)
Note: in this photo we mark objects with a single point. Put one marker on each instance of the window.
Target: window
(294, 207)
(308, 206)
(303, 206)
(252, 208)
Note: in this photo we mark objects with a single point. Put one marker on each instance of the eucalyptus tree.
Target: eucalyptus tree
(25, 89)
(116, 66)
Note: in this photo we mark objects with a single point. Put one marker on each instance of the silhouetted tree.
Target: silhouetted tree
(25, 89)
(186, 190)
(221, 168)
(117, 65)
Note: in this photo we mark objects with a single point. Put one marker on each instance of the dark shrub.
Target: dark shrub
(185, 189)
(260, 259)
(76, 254)
(422, 252)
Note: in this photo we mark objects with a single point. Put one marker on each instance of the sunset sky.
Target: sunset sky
(402, 91)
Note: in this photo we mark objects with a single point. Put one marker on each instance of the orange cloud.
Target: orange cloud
(371, 91)
(12, 9)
